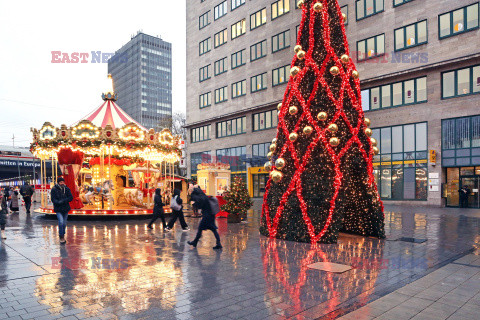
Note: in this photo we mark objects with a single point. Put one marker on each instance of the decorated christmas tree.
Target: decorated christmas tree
(237, 198)
(321, 174)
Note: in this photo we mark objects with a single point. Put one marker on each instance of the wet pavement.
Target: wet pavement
(122, 270)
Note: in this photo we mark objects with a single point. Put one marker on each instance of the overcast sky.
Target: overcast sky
(34, 90)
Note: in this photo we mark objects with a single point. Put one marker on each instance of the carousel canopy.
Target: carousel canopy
(109, 113)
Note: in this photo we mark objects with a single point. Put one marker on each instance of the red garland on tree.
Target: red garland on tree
(321, 172)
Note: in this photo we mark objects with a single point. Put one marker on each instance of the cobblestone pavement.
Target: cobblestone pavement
(122, 270)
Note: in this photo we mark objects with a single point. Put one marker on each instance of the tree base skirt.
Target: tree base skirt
(234, 218)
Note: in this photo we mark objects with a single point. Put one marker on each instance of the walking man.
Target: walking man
(176, 204)
(3, 214)
(463, 193)
(27, 192)
(61, 197)
(208, 217)
(158, 211)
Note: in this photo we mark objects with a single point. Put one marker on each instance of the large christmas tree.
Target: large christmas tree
(321, 173)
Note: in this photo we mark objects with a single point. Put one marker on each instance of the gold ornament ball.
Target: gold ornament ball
(276, 176)
(267, 166)
(375, 150)
(294, 71)
(279, 106)
(293, 136)
(269, 155)
(307, 130)
(334, 141)
(318, 7)
(368, 132)
(297, 48)
(373, 141)
(322, 116)
(345, 58)
(367, 122)
(273, 147)
(334, 70)
(355, 74)
(301, 55)
(333, 127)
(293, 110)
(274, 141)
(344, 17)
(280, 163)
(300, 3)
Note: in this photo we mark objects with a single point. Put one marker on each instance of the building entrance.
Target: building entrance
(458, 178)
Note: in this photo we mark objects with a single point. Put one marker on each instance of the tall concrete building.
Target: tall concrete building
(142, 76)
(419, 66)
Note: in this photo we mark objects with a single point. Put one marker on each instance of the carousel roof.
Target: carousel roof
(109, 113)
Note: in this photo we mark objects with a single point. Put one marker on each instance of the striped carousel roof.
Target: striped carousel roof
(110, 113)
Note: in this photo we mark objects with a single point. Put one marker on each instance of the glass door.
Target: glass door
(473, 184)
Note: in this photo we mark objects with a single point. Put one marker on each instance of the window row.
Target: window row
(461, 141)
(461, 82)
(201, 133)
(395, 94)
(265, 120)
(231, 127)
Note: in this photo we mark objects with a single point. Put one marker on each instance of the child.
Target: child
(14, 201)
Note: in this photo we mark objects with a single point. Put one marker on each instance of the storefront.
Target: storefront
(257, 177)
(461, 159)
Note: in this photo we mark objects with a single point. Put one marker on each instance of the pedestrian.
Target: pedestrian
(463, 193)
(6, 194)
(27, 192)
(158, 211)
(3, 214)
(14, 207)
(208, 217)
(176, 204)
(61, 197)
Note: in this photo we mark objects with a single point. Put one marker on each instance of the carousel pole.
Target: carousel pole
(148, 184)
(41, 182)
(102, 175)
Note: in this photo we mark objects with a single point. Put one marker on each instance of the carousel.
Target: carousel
(111, 163)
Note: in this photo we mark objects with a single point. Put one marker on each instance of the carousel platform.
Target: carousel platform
(92, 211)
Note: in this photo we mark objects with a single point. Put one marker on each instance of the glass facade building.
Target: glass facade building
(142, 76)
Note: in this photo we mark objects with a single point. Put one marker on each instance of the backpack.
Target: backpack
(174, 204)
(214, 205)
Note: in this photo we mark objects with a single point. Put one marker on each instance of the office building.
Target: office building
(142, 76)
(419, 67)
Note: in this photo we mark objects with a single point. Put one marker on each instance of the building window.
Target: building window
(397, 3)
(221, 95)
(461, 82)
(371, 47)
(239, 28)
(258, 82)
(220, 66)
(239, 89)
(220, 38)
(458, 21)
(239, 58)
(204, 20)
(344, 10)
(412, 35)
(395, 94)
(258, 50)
(231, 127)
(204, 73)
(280, 75)
(201, 133)
(220, 10)
(198, 158)
(259, 152)
(279, 8)
(205, 46)
(236, 3)
(461, 141)
(205, 100)
(281, 41)
(265, 120)
(367, 8)
(400, 168)
(258, 18)
(234, 157)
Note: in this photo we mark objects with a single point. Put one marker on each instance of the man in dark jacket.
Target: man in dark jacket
(27, 192)
(61, 197)
(463, 193)
(208, 218)
(158, 211)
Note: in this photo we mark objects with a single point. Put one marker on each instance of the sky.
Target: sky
(33, 90)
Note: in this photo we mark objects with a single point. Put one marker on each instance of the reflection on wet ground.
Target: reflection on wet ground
(121, 269)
